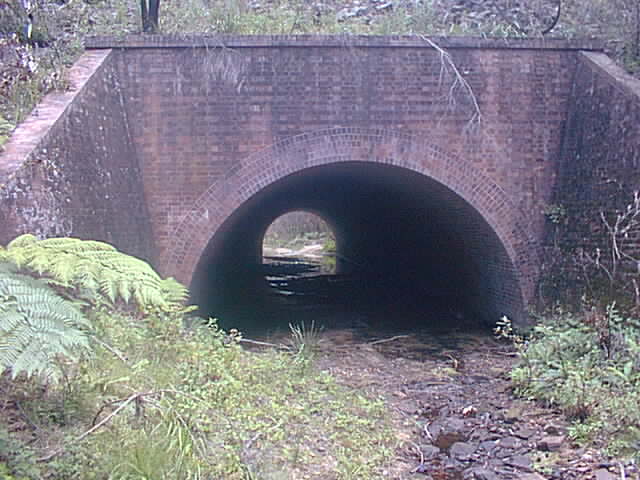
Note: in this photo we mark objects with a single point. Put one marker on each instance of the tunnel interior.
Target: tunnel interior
(410, 253)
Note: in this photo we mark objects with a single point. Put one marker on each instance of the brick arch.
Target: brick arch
(260, 169)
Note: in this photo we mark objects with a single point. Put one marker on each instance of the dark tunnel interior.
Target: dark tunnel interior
(410, 252)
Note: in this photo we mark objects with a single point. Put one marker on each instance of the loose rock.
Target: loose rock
(429, 451)
(551, 443)
(510, 443)
(482, 474)
(462, 451)
(522, 462)
(603, 474)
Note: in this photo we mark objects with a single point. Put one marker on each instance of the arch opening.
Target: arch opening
(410, 252)
(298, 244)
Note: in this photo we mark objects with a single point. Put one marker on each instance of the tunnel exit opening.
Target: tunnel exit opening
(410, 253)
(302, 238)
(298, 257)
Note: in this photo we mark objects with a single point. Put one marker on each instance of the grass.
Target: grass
(206, 409)
(161, 394)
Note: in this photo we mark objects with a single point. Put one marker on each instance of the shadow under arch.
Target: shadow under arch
(471, 194)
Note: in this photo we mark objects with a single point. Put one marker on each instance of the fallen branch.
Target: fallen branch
(426, 384)
(421, 466)
(384, 340)
(263, 344)
(104, 421)
(110, 348)
(506, 354)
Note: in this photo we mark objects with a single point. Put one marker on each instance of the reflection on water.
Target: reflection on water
(296, 290)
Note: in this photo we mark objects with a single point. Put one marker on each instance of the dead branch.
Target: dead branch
(384, 340)
(617, 231)
(555, 19)
(448, 66)
(419, 450)
(104, 421)
(264, 344)
(111, 349)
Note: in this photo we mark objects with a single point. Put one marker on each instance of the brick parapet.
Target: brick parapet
(368, 41)
(36, 131)
(598, 171)
(70, 169)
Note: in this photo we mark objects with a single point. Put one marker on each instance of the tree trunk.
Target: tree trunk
(149, 10)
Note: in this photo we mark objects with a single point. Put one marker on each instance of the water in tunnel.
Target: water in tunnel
(410, 253)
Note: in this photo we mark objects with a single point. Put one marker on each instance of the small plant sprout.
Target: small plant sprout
(305, 340)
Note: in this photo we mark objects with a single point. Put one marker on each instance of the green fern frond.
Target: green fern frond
(92, 269)
(70, 244)
(37, 327)
(173, 290)
(22, 241)
(124, 289)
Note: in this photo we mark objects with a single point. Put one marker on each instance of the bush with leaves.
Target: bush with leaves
(589, 366)
(38, 327)
(42, 324)
(95, 272)
(158, 398)
(189, 403)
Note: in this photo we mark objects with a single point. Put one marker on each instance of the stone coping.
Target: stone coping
(369, 41)
(616, 75)
(35, 129)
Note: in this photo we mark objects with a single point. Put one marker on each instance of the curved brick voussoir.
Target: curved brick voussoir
(378, 146)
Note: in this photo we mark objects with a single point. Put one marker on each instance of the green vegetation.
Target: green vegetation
(37, 326)
(296, 229)
(103, 378)
(585, 357)
(587, 365)
(94, 271)
(299, 229)
(147, 391)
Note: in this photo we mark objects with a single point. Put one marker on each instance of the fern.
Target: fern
(37, 327)
(95, 270)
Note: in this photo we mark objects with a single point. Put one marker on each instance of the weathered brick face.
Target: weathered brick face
(194, 128)
(198, 113)
(71, 168)
(599, 169)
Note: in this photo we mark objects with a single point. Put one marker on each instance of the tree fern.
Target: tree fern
(37, 327)
(95, 268)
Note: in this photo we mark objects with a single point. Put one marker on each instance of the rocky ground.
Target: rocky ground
(455, 413)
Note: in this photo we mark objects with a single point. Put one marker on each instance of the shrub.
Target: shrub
(589, 366)
(37, 327)
(94, 271)
(158, 398)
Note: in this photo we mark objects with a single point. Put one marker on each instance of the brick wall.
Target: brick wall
(200, 107)
(197, 112)
(599, 169)
(71, 168)
(178, 133)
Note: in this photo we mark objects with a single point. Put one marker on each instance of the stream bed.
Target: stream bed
(446, 384)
